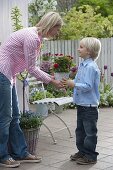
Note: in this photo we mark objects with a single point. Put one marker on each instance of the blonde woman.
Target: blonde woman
(86, 97)
(18, 53)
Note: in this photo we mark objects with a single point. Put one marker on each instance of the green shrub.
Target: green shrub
(106, 95)
(30, 120)
(38, 95)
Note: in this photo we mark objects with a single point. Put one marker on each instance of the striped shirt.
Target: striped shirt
(20, 52)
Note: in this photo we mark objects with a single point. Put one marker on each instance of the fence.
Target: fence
(69, 47)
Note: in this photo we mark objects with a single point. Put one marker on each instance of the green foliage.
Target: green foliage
(65, 5)
(57, 92)
(15, 16)
(85, 21)
(110, 17)
(29, 120)
(38, 8)
(38, 95)
(71, 106)
(106, 95)
(22, 76)
(106, 6)
(47, 57)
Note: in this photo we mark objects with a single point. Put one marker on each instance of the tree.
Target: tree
(38, 8)
(106, 6)
(65, 5)
(15, 16)
(85, 21)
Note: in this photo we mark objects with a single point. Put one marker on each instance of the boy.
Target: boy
(86, 97)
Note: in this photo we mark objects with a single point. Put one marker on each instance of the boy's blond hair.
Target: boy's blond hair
(93, 45)
(48, 21)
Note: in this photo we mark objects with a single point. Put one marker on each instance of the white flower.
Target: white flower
(54, 3)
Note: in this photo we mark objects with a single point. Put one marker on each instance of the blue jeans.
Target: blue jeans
(11, 135)
(86, 131)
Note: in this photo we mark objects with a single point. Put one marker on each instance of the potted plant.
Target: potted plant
(30, 124)
(61, 66)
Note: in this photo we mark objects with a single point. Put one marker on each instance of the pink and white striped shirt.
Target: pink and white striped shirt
(20, 52)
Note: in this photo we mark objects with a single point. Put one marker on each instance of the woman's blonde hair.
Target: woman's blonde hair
(93, 45)
(48, 21)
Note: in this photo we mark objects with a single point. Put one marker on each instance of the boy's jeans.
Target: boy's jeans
(10, 133)
(86, 131)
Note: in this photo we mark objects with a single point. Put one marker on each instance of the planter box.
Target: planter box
(31, 136)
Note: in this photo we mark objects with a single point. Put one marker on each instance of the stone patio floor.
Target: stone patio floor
(56, 157)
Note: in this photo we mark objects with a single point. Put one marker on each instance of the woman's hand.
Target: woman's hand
(57, 83)
(52, 77)
(64, 82)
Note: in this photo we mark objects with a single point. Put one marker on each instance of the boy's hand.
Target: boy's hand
(68, 83)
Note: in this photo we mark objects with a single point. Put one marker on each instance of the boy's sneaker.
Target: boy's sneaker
(85, 161)
(9, 163)
(76, 156)
(30, 159)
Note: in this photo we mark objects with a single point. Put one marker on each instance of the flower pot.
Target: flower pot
(31, 136)
(60, 75)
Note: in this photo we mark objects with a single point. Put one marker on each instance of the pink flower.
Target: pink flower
(74, 69)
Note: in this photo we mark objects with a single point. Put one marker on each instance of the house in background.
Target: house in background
(6, 29)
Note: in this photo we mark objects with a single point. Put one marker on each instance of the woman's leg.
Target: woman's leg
(5, 115)
(18, 146)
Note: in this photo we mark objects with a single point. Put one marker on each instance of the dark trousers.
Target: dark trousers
(86, 131)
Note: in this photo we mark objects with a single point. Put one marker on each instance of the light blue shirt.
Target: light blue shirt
(87, 80)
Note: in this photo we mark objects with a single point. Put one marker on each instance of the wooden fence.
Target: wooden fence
(69, 47)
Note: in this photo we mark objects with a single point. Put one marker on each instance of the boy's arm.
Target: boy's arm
(68, 83)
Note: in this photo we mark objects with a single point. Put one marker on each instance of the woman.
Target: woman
(18, 53)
